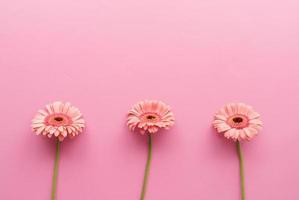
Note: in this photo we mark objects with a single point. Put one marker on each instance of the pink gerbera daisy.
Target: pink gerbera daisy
(150, 116)
(58, 119)
(237, 121)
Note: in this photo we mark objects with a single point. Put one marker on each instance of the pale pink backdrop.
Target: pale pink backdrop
(105, 55)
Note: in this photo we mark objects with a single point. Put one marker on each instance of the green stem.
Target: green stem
(55, 171)
(241, 163)
(147, 168)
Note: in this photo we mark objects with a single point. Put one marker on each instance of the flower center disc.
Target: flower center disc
(238, 121)
(58, 120)
(150, 117)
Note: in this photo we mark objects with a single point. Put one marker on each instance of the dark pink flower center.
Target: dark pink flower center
(151, 117)
(238, 121)
(58, 120)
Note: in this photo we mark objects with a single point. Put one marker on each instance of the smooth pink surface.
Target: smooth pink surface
(104, 56)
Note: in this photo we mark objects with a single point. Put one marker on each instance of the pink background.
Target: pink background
(105, 55)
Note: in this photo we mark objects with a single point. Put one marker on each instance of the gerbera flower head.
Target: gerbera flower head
(58, 119)
(149, 116)
(237, 121)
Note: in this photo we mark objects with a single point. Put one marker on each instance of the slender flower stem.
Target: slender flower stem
(55, 172)
(241, 163)
(147, 168)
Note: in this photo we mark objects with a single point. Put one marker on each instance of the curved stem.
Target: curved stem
(147, 168)
(55, 171)
(241, 163)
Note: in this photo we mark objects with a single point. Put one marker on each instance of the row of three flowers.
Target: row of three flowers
(237, 121)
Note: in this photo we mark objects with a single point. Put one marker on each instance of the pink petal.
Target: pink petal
(154, 106)
(134, 112)
(66, 107)
(133, 120)
(153, 129)
(220, 117)
(37, 121)
(56, 133)
(242, 134)
(60, 138)
(230, 133)
(48, 128)
(147, 107)
(39, 117)
(236, 134)
(223, 112)
(37, 125)
(223, 127)
(248, 133)
(61, 128)
(242, 109)
(218, 125)
(77, 117)
(252, 131)
(56, 106)
(230, 109)
(49, 109)
(80, 125)
(217, 121)
(64, 133)
(69, 130)
(40, 130)
(255, 126)
(73, 112)
(252, 114)
(43, 112)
